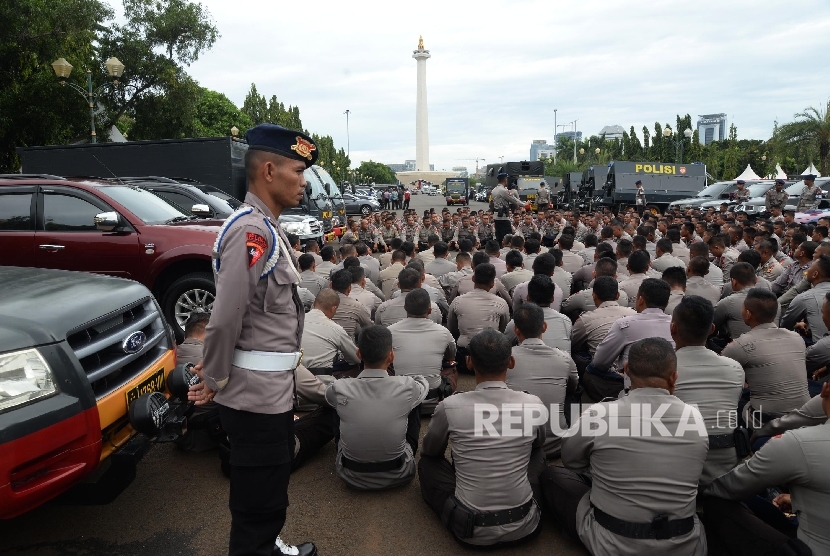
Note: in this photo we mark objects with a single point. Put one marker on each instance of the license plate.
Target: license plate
(153, 383)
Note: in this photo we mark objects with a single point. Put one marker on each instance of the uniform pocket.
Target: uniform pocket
(279, 297)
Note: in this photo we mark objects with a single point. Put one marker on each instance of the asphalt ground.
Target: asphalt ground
(177, 505)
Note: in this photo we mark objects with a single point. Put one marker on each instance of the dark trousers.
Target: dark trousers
(437, 478)
(312, 432)
(262, 447)
(731, 528)
(503, 228)
(599, 385)
(461, 354)
(563, 489)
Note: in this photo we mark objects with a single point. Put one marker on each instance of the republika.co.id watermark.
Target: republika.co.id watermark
(511, 419)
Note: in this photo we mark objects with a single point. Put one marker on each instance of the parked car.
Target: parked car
(205, 201)
(75, 350)
(110, 228)
(757, 205)
(757, 189)
(357, 204)
(716, 191)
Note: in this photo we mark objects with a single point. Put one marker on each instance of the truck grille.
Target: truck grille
(98, 345)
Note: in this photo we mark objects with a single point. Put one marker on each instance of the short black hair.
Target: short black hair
(656, 293)
(408, 278)
(484, 273)
(513, 258)
(625, 247)
(664, 245)
(675, 276)
(532, 246)
(351, 262)
(694, 316)
(673, 234)
(293, 239)
(341, 280)
(398, 255)
(606, 266)
(465, 245)
(566, 242)
(490, 352)
(417, 264)
(195, 324)
(590, 240)
(361, 248)
(607, 232)
(517, 242)
(750, 256)
(397, 243)
(327, 252)
(540, 290)
(529, 318)
(809, 247)
(440, 249)
(699, 266)
(639, 243)
(823, 264)
(743, 273)
(357, 273)
(652, 358)
(408, 247)
(463, 258)
(638, 261)
(417, 302)
(606, 288)
(374, 343)
(546, 263)
(491, 247)
(699, 249)
(306, 261)
(762, 303)
(606, 249)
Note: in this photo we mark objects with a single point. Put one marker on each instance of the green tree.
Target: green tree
(34, 108)
(377, 172)
(811, 129)
(731, 155)
(216, 115)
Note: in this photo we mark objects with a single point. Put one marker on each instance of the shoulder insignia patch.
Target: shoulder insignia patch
(625, 323)
(256, 246)
(749, 347)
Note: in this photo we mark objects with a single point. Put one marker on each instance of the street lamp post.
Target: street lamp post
(574, 123)
(348, 139)
(554, 135)
(115, 69)
(678, 143)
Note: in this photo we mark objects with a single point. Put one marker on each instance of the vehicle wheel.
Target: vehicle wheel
(449, 204)
(365, 210)
(653, 209)
(192, 293)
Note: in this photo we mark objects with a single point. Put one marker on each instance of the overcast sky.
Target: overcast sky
(499, 69)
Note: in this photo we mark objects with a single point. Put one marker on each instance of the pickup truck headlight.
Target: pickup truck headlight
(24, 376)
(297, 228)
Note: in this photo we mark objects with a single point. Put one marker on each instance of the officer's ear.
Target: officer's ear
(511, 363)
(544, 327)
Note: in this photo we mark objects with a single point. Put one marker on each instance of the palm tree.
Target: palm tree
(813, 127)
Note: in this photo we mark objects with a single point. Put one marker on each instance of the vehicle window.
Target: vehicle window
(65, 213)
(334, 191)
(15, 211)
(316, 187)
(149, 208)
(182, 202)
(231, 201)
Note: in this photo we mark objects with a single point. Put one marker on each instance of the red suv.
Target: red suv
(108, 227)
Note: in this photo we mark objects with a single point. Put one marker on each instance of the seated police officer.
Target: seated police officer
(486, 496)
(640, 496)
(377, 435)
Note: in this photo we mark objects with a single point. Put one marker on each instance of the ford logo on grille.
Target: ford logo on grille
(134, 342)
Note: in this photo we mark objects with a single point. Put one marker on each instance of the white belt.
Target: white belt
(266, 361)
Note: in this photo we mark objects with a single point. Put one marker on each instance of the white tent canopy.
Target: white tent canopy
(748, 174)
(779, 173)
(811, 170)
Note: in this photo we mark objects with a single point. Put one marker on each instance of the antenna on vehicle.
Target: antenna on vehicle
(107, 169)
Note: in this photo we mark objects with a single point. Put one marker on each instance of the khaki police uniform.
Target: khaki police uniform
(501, 203)
(713, 384)
(489, 473)
(571, 262)
(549, 373)
(325, 269)
(636, 478)
(421, 346)
(516, 277)
(440, 266)
(520, 296)
(770, 270)
(252, 347)
(774, 364)
(366, 298)
(543, 198)
(714, 276)
(500, 266)
(818, 354)
(372, 267)
(313, 282)
(473, 312)
(465, 232)
(594, 323)
(352, 315)
(466, 285)
(392, 310)
(728, 314)
(374, 450)
(798, 458)
(808, 415)
(389, 277)
(558, 334)
(667, 260)
(583, 301)
(807, 306)
(323, 342)
(675, 297)
(631, 286)
(726, 261)
(697, 285)
(428, 255)
(450, 279)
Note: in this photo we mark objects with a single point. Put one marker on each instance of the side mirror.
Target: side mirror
(308, 191)
(200, 210)
(107, 221)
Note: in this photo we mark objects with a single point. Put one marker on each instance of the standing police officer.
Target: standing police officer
(810, 195)
(501, 203)
(252, 343)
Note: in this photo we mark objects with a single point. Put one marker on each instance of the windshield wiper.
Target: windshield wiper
(180, 219)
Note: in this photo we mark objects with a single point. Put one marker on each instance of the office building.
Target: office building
(569, 135)
(540, 148)
(711, 127)
(612, 132)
